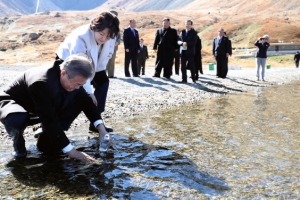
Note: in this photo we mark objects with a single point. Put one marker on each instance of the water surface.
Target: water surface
(243, 145)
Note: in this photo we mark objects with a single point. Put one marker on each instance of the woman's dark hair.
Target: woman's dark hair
(106, 20)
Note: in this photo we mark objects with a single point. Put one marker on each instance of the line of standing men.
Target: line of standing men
(169, 44)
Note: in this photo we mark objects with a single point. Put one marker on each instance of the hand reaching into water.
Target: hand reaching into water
(80, 155)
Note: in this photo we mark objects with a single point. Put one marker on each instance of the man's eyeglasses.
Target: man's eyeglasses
(75, 85)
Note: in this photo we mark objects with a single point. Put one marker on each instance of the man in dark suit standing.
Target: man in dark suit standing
(142, 57)
(132, 48)
(221, 51)
(229, 44)
(177, 57)
(297, 58)
(188, 40)
(165, 43)
(198, 58)
(54, 94)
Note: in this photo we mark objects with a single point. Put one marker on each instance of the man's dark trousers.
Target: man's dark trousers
(190, 59)
(15, 123)
(222, 66)
(133, 57)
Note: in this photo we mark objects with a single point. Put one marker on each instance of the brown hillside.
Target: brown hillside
(243, 29)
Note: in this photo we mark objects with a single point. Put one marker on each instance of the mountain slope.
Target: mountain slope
(25, 7)
(234, 6)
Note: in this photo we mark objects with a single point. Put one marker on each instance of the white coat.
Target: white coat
(82, 40)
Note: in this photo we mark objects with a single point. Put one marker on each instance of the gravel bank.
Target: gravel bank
(132, 96)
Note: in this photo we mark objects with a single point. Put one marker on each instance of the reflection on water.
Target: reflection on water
(244, 145)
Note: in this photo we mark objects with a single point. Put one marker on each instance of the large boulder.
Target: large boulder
(33, 36)
(114, 12)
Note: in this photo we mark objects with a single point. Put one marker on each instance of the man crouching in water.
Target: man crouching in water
(54, 94)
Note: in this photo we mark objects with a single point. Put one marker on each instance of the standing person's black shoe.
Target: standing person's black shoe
(156, 76)
(94, 129)
(38, 131)
(182, 81)
(108, 129)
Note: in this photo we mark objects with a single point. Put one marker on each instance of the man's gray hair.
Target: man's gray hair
(78, 65)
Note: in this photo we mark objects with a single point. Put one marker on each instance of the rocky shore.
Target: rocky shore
(133, 96)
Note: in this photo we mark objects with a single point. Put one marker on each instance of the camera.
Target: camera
(261, 38)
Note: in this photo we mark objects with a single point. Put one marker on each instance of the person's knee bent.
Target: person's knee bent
(17, 120)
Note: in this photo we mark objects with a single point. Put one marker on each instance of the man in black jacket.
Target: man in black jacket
(188, 40)
(142, 57)
(166, 43)
(177, 57)
(198, 58)
(54, 94)
(221, 51)
(132, 48)
(297, 58)
(229, 44)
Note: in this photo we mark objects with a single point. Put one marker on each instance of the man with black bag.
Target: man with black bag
(165, 43)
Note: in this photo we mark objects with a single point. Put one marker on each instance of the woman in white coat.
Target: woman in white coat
(97, 41)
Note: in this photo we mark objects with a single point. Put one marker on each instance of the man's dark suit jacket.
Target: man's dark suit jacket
(131, 42)
(220, 48)
(38, 91)
(165, 40)
(198, 48)
(143, 55)
(297, 57)
(190, 39)
(230, 47)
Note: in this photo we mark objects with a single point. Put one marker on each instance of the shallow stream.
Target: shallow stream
(244, 146)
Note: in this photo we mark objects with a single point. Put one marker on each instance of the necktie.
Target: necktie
(186, 33)
(133, 32)
(220, 39)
